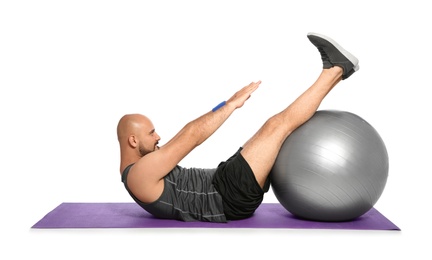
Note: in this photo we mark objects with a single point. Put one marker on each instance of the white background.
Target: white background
(70, 69)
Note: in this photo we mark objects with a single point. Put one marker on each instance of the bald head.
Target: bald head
(132, 124)
(137, 137)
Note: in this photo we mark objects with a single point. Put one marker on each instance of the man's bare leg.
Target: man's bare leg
(262, 149)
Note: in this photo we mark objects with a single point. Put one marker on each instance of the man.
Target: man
(236, 187)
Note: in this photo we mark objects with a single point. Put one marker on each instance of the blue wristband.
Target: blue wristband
(219, 106)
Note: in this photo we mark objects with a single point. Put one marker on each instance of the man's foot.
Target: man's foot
(332, 54)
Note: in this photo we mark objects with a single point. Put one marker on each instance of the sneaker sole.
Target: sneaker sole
(344, 52)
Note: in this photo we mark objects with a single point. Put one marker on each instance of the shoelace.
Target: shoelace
(324, 56)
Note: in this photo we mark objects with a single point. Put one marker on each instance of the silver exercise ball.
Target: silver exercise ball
(332, 168)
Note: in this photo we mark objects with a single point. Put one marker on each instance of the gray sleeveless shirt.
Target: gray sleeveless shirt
(188, 195)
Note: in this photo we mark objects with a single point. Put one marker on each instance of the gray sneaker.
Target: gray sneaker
(332, 54)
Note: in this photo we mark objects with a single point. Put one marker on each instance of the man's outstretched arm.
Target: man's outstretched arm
(203, 127)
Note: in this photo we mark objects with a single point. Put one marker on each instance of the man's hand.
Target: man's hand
(243, 94)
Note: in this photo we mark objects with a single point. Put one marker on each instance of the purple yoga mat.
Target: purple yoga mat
(130, 215)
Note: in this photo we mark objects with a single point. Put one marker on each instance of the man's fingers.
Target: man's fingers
(254, 85)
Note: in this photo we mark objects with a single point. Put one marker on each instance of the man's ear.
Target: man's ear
(133, 141)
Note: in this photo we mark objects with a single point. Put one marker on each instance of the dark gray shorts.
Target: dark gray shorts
(236, 183)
